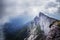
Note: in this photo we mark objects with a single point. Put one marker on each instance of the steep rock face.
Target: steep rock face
(42, 22)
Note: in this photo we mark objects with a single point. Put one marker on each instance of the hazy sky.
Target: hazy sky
(27, 9)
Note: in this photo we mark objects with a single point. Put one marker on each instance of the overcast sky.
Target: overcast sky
(27, 8)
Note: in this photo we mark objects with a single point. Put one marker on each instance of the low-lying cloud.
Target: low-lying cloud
(15, 8)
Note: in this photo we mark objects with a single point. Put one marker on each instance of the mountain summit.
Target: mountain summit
(39, 26)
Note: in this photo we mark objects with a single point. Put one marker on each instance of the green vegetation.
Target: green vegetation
(40, 33)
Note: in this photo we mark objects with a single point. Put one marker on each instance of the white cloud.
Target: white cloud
(14, 8)
(52, 10)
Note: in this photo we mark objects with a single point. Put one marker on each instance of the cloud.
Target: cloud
(58, 0)
(15, 8)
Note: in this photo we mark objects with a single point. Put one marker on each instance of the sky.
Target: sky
(27, 9)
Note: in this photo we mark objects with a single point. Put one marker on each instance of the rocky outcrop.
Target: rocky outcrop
(41, 22)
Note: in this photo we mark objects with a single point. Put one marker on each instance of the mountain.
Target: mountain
(39, 27)
(36, 29)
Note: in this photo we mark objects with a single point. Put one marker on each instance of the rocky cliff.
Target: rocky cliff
(37, 29)
(39, 26)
